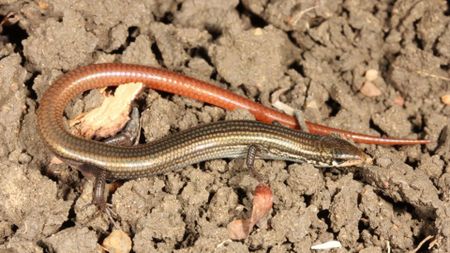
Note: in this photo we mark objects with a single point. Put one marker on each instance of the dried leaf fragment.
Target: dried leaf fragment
(262, 204)
(276, 103)
(110, 117)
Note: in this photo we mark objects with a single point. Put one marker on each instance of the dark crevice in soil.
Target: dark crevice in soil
(255, 20)
(157, 53)
(384, 65)
(46, 172)
(29, 84)
(142, 136)
(202, 53)
(179, 6)
(412, 163)
(425, 231)
(156, 241)
(202, 167)
(316, 22)
(387, 20)
(133, 32)
(386, 34)
(182, 243)
(363, 225)
(167, 18)
(118, 50)
(293, 40)
(255, 248)
(401, 207)
(447, 12)
(202, 212)
(210, 197)
(358, 176)
(14, 228)
(316, 41)
(325, 216)
(165, 95)
(345, 13)
(375, 10)
(70, 221)
(375, 127)
(215, 32)
(213, 75)
(424, 248)
(298, 68)
(242, 194)
(190, 236)
(44, 246)
(418, 129)
(307, 199)
(418, 41)
(15, 35)
(334, 106)
(434, 48)
(248, 91)
(442, 138)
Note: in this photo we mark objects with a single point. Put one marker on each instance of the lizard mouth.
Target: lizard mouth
(363, 159)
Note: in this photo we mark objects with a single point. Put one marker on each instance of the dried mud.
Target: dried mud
(319, 51)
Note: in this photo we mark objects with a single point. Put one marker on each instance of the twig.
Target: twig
(423, 73)
(422, 243)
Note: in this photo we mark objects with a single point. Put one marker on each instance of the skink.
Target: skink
(217, 140)
(101, 75)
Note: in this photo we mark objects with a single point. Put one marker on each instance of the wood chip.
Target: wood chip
(110, 117)
(276, 103)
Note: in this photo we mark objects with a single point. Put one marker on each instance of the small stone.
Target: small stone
(369, 89)
(446, 99)
(371, 75)
(118, 242)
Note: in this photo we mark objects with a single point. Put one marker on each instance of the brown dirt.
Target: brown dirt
(253, 48)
